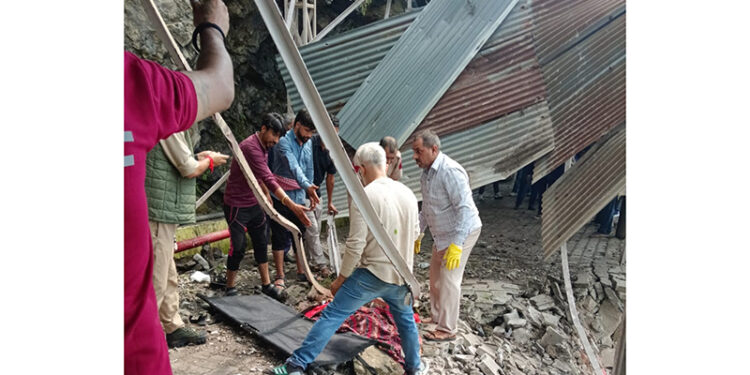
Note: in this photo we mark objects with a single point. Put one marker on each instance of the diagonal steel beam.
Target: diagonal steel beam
(310, 96)
(336, 21)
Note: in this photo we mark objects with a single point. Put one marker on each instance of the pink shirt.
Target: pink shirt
(238, 193)
(158, 102)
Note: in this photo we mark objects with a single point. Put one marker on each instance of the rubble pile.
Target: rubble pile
(514, 313)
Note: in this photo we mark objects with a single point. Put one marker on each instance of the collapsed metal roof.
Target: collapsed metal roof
(581, 46)
(583, 190)
(419, 68)
(490, 152)
(338, 65)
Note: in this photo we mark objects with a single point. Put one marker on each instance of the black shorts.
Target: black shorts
(280, 236)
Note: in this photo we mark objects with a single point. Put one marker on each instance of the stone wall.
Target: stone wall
(258, 84)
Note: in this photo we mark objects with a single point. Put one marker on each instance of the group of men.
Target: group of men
(160, 167)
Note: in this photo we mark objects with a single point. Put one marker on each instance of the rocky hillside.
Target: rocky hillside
(259, 87)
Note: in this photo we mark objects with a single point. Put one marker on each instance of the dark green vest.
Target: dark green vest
(171, 197)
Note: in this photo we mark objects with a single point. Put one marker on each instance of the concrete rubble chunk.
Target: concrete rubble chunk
(516, 323)
(521, 336)
(550, 320)
(486, 349)
(552, 337)
(599, 292)
(562, 366)
(472, 339)
(498, 331)
(543, 302)
(378, 360)
(535, 317)
(488, 366)
(464, 359)
(583, 279)
(619, 284)
(608, 357)
(610, 317)
(612, 296)
(589, 304)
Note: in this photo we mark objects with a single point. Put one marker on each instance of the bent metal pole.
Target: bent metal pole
(310, 96)
(176, 54)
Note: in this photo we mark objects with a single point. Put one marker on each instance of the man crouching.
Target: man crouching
(396, 206)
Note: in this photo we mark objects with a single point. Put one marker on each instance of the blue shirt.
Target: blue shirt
(447, 206)
(295, 161)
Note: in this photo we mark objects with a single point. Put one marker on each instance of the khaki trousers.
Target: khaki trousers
(445, 286)
(165, 275)
(312, 236)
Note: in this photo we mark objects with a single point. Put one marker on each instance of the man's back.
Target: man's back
(396, 207)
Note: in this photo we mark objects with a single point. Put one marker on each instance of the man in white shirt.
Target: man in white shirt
(449, 211)
(366, 272)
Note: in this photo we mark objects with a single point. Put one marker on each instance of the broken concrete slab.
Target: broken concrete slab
(521, 336)
(608, 357)
(379, 361)
(612, 296)
(553, 337)
(516, 323)
(464, 359)
(472, 339)
(488, 366)
(498, 331)
(583, 279)
(543, 302)
(550, 320)
(535, 317)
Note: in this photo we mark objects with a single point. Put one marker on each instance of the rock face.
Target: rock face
(258, 84)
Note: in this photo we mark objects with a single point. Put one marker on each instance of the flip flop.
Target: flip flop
(430, 336)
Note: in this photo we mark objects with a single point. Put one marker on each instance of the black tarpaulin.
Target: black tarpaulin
(285, 329)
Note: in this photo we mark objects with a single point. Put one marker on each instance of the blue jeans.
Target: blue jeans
(361, 287)
(605, 217)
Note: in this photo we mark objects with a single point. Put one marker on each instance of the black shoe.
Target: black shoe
(231, 292)
(185, 336)
(274, 292)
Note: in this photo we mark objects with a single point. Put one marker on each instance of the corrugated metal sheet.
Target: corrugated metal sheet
(340, 64)
(490, 152)
(584, 68)
(583, 191)
(503, 77)
(419, 68)
(560, 24)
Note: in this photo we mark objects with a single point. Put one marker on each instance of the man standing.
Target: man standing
(158, 103)
(241, 208)
(396, 207)
(171, 169)
(392, 158)
(323, 169)
(293, 167)
(449, 211)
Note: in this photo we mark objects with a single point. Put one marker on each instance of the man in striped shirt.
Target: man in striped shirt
(449, 211)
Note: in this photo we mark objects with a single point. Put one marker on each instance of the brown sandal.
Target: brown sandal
(432, 336)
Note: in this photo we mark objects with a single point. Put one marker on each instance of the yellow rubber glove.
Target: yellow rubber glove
(418, 243)
(452, 257)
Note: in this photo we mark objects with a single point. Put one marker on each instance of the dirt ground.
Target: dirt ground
(508, 255)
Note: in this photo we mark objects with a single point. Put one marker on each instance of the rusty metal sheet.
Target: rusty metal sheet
(585, 84)
(582, 191)
(489, 152)
(419, 69)
(503, 77)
